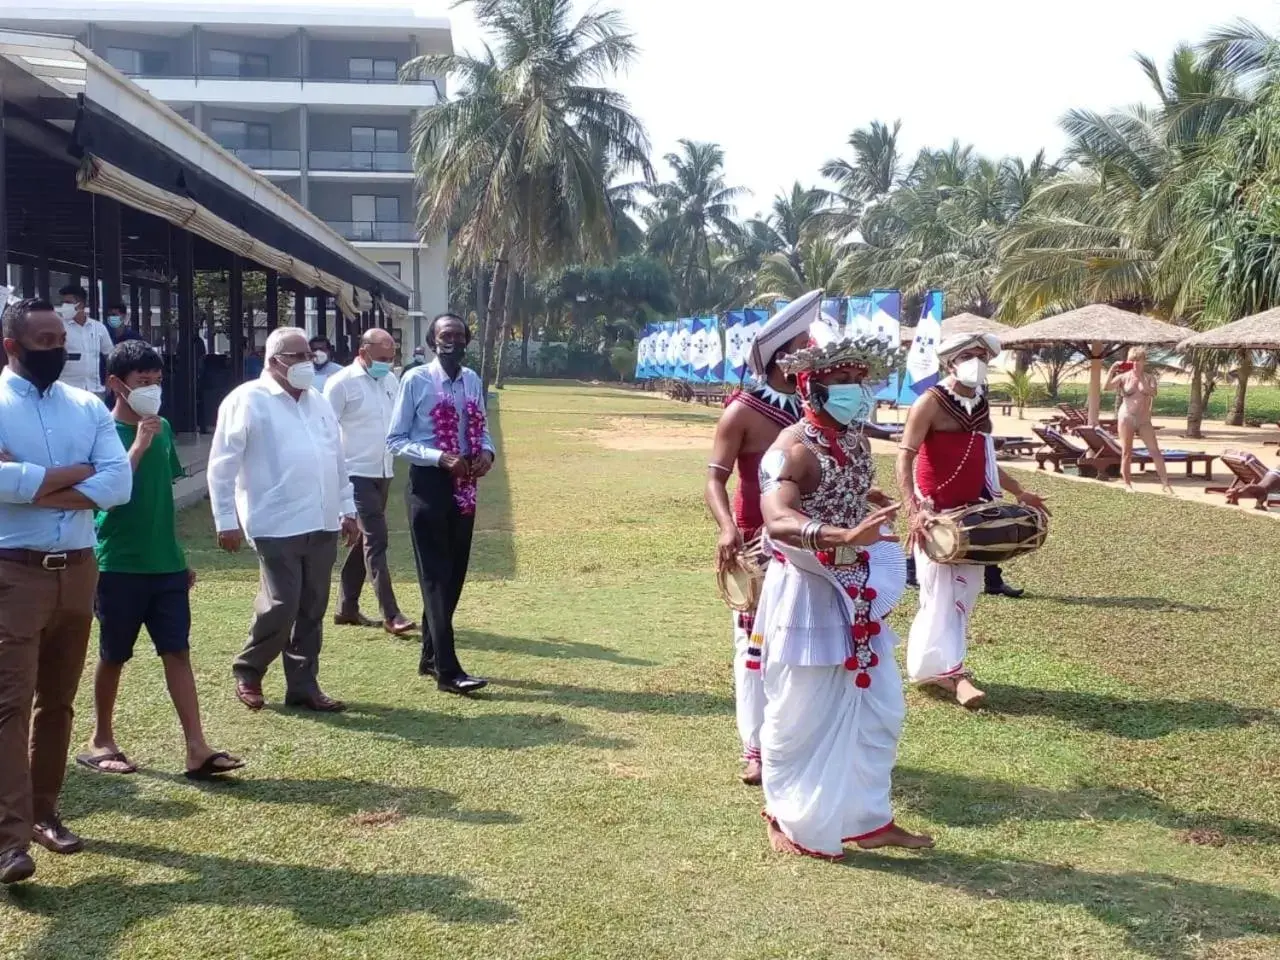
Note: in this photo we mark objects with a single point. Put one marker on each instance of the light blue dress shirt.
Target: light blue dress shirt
(64, 427)
(412, 433)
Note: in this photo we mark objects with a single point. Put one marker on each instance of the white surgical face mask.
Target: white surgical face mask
(145, 400)
(301, 375)
(321, 358)
(972, 372)
(67, 311)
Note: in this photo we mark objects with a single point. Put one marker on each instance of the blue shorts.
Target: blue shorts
(127, 602)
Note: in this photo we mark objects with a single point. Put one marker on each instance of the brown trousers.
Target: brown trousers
(45, 618)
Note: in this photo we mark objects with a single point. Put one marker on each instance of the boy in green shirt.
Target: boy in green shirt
(144, 579)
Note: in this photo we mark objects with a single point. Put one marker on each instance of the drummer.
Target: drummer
(752, 419)
(947, 459)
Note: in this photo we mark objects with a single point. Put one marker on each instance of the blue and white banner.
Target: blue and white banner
(698, 351)
(642, 350)
(886, 316)
(922, 359)
(712, 367)
(736, 346)
(755, 321)
(681, 352)
(858, 318)
(835, 309)
(661, 351)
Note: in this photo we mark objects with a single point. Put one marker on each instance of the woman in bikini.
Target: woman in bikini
(1136, 391)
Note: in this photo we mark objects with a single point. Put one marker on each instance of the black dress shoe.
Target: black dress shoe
(16, 866)
(427, 670)
(55, 837)
(1004, 590)
(462, 684)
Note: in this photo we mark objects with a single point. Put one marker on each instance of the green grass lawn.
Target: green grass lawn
(1119, 798)
(1262, 402)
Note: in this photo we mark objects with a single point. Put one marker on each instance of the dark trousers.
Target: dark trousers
(293, 593)
(441, 549)
(45, 617)
(368, 556)
(993, 575)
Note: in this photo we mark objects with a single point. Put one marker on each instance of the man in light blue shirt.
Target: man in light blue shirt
(438, 424)
(60, 460)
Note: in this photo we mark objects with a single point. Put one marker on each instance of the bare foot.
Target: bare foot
(1128, 488)
(895, 836)
(779, 842)
(943, 688)
(751, 773)
(1169, 490)
(967, 695)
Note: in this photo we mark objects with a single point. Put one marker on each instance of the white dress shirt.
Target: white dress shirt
(363, 407)
(323, 374)
(86, 342)
(276, 467)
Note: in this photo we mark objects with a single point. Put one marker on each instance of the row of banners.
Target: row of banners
(715, 349)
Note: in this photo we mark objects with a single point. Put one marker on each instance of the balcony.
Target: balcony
(363, 161)
(261, 159)
(288, 91)
(376, 231)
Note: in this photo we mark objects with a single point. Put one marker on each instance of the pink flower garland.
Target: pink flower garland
(444, 417)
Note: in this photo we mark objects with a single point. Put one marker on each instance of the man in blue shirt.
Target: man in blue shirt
(60, 459)
(438, 424)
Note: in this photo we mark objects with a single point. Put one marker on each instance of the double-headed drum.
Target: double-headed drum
(984, 533)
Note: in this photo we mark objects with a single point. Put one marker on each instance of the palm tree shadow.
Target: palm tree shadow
(1161, 916)
(551, 647)
(1120, 716)
(964, 801)
(683, 703)
(88, 918)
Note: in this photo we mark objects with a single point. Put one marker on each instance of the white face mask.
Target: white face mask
(301, 375)
(145, 400)
(972, 372)
(67, 311)
(321, 358)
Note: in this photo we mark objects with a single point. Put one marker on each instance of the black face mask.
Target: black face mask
(451, 354)
(42, 367)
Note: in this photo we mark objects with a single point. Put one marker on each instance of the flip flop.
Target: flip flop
(209, 770)
(95, 763)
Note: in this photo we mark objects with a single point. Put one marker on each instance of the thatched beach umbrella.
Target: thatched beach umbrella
(1259, 332)
(1097, 331)
(972, 323)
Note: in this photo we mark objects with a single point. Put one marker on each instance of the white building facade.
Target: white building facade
(307, 96)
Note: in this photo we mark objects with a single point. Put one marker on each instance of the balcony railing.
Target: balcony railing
(383, 231)
(261, 159)
(277, 75)
(370, 161)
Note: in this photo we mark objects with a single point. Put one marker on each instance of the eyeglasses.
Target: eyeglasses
(297, 356)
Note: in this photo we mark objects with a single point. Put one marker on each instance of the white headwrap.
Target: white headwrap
(960, 342)
(783, 327)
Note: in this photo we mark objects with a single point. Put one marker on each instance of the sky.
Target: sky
(780, 86)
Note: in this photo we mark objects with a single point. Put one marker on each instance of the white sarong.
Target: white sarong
(827, 746)
(939, 637)
(748, 688)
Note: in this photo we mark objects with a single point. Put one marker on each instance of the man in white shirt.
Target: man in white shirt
(322, 350)
(362, 396)
(277, 472)
(88, 342)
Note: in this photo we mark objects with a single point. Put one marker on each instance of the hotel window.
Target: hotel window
(370, 209)
(240, 135)
(138, 63)
(376, 139)
(372, 68)
(391, 266)
(232, 63)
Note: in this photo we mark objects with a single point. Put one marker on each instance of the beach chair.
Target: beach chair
(1073, 416)
(1105, 453)
(1058, 449)
(1247, 470)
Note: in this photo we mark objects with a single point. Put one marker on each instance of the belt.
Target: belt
(48, 561)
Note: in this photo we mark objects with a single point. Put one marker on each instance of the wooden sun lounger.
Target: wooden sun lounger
(1059, 450)
(1011, 448)
(1105, 453)
(1073, 416)
(1247, 470)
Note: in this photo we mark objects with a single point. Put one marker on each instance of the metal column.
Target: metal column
(235, 317)
(185, 361)
(273, 300)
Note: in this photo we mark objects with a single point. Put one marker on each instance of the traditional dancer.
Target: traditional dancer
(751, 421)
(834, 704)
(946, 460)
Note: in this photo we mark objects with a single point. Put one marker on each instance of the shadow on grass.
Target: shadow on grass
(1162, 916)
(547, 647)
(1149, 604)
(422, 728)
(1120, 716)
(87, 794)
(88, 918)
(681, 703)
(963, 801)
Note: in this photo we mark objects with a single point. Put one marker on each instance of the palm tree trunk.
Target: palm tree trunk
(1236, 418)
(493, 318)
(508, 309)
(526, 331)
(1195, 402)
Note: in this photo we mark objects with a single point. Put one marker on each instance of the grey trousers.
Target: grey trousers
(293, 594)
(368, 558)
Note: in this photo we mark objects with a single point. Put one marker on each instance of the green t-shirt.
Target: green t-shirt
(141, 536)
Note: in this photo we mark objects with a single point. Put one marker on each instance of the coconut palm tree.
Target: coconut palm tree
(689, 217)
(515, 152)
(875, 171)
